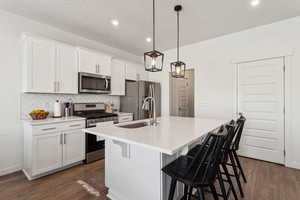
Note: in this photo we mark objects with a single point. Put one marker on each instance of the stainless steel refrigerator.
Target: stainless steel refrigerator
(136, 92)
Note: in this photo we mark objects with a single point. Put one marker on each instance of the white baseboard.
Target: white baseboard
(10, 170)
(30, 178)
(294, 165)
(113, 196)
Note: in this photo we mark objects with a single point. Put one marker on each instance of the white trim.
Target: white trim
(293, 164)
(266, 56)
(113, 196)
(10, 170)
(50, 172)
(288, 115)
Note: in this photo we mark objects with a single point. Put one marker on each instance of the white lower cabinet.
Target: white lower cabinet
(47, 153)
(50, 147)
(73, 147)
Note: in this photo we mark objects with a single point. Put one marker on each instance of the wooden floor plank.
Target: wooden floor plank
(266, 181)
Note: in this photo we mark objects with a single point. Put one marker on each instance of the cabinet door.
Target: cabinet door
(74, 146)
(130, 71)
(104, 63)
(117, 78)
(142, 74)
(40, 57)
(88, 61)
(46, 152)
(67, 70)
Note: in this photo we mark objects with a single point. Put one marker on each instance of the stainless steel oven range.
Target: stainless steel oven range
(94, 113)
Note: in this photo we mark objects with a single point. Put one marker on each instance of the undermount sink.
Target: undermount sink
(135, 125)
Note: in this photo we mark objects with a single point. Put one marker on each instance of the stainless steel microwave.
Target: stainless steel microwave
(93, 83)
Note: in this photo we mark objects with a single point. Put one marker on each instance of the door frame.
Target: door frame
(287, 60)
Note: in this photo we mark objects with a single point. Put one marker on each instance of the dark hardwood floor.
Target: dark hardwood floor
(266, 181)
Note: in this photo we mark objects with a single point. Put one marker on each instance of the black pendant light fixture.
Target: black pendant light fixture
(153, 60)
(178, 67)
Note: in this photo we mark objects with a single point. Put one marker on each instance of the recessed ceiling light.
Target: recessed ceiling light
(148, 39)
(255, 3)
(115, 22)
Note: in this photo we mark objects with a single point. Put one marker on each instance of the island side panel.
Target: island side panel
(166, 180)
(132, 172)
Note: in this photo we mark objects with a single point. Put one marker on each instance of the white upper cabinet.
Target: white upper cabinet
(142, 74)
(49, 66)
(104, 63)
(94, 62)
(117, 78)
(67, 69)
(39, 66)
(136, 72)
(131, 71)
(87, 61)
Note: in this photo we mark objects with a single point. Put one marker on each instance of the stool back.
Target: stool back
(208, 156)
(238, 132)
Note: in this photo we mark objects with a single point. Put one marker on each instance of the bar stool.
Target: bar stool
(231, 127)
(199, 171)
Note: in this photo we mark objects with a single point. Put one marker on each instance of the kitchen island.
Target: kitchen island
(135, 153)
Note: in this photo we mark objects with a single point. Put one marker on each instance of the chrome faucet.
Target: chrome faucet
(153, 120)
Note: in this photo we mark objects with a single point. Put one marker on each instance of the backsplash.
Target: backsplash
(31, 102)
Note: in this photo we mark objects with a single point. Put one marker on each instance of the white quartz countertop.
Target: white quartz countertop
(169, 136)
(54, 120)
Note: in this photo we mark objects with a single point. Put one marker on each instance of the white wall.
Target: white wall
(215, 73)
(11, 28)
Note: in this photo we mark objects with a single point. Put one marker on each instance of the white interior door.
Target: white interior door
(261, 100)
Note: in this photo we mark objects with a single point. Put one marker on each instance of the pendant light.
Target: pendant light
(153, 60)
(178, 67)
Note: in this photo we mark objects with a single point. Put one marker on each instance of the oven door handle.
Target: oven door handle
(92, 125)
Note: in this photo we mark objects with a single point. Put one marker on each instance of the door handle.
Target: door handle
(65, 141)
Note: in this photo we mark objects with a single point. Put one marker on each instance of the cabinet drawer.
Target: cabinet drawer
(127, 118)
(73, 125)
(45, 129)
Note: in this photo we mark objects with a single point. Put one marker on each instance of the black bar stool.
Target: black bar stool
(199, 171)
(231, 133)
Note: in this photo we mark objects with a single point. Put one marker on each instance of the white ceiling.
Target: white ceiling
(201, 19)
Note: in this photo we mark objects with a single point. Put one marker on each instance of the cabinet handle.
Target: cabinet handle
(61, 138)
(48, 129)
(54, 86)
(65, 141)
(74, 125)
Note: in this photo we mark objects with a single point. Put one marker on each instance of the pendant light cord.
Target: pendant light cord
(153, 24)
(178, 35)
